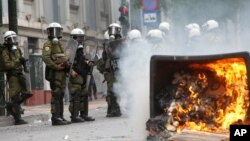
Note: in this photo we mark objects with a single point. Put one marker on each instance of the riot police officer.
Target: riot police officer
(13, 63)
(164, 27)
(78, 90)
(210, 25)
(193, 34)
(134, 35)
(56, 69)
(155, 39)
(134, 41)
(210, 32)
(108, 65)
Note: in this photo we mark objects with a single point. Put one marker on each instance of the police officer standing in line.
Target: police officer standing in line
(155, 39)
(13, 63)
(108, 65)
(56, 69)
(78, 90)
(134, 36)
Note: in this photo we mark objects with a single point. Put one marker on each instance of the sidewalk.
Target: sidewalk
(41, 113)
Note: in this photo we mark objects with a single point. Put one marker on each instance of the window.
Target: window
(33, 45)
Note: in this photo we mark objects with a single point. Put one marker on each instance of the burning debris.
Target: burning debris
(204, 97)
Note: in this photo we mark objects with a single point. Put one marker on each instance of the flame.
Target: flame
(232, 71)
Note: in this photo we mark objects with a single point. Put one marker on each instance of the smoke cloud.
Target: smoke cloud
(133, 82)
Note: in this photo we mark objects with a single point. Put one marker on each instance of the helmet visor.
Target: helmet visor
(79, 38)
(11, 39)
(55, 32)
(114, 30)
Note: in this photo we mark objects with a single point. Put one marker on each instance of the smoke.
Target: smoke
(231, 36)
(134, 82)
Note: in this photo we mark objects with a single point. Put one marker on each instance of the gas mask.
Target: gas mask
(79, 39)
(55, 33)
(14, 47)
(11, 42)
(112, 37)
(80, 46)
(55, 40)
(113, 31)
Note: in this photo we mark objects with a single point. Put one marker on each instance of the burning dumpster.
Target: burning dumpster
(198, 93)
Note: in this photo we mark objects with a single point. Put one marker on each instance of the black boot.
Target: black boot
(20, 121)
(61, 112)
(9, 110)
(56, 117)
(56, 120)
(108, 99)
(84, 114)
(75, 112)
(17, 115)
(113, 107)
(117, 111)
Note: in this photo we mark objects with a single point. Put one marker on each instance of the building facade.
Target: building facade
(34, 16)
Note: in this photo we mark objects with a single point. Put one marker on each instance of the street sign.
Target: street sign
(150, 4)
(151, 18)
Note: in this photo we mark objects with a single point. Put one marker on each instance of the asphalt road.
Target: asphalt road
(103, 129)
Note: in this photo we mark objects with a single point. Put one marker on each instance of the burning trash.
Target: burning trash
(204, 96)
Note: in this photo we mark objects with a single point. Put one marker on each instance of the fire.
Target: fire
(236, 84)
(231, 102)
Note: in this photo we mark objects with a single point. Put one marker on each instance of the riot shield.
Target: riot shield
(115, 47)
(90, 49)
(70, 51)
(26, 65)
(90, 53)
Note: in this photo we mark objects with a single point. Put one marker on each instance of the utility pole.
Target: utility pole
(12, 7)
(1, 22)
(2, 81)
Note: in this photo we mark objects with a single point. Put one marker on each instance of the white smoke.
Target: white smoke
(134, 83)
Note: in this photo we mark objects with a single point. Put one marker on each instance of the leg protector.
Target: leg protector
(108, 99)
(84, 113)
(17, 114)
(56, 118)
(75, 108)
(113, 107)
(62, 110)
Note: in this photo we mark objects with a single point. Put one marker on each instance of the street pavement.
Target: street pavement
(40, 129)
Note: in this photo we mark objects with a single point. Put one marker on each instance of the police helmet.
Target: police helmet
(155, 35)
(10, 37)
(78, 34)
(164, 27)
(210, 25)
(54, 30)
(114, 30)
(134, 34)
(193, 30)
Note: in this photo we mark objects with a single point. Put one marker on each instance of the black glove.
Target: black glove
(22, 61)
(25, 65)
